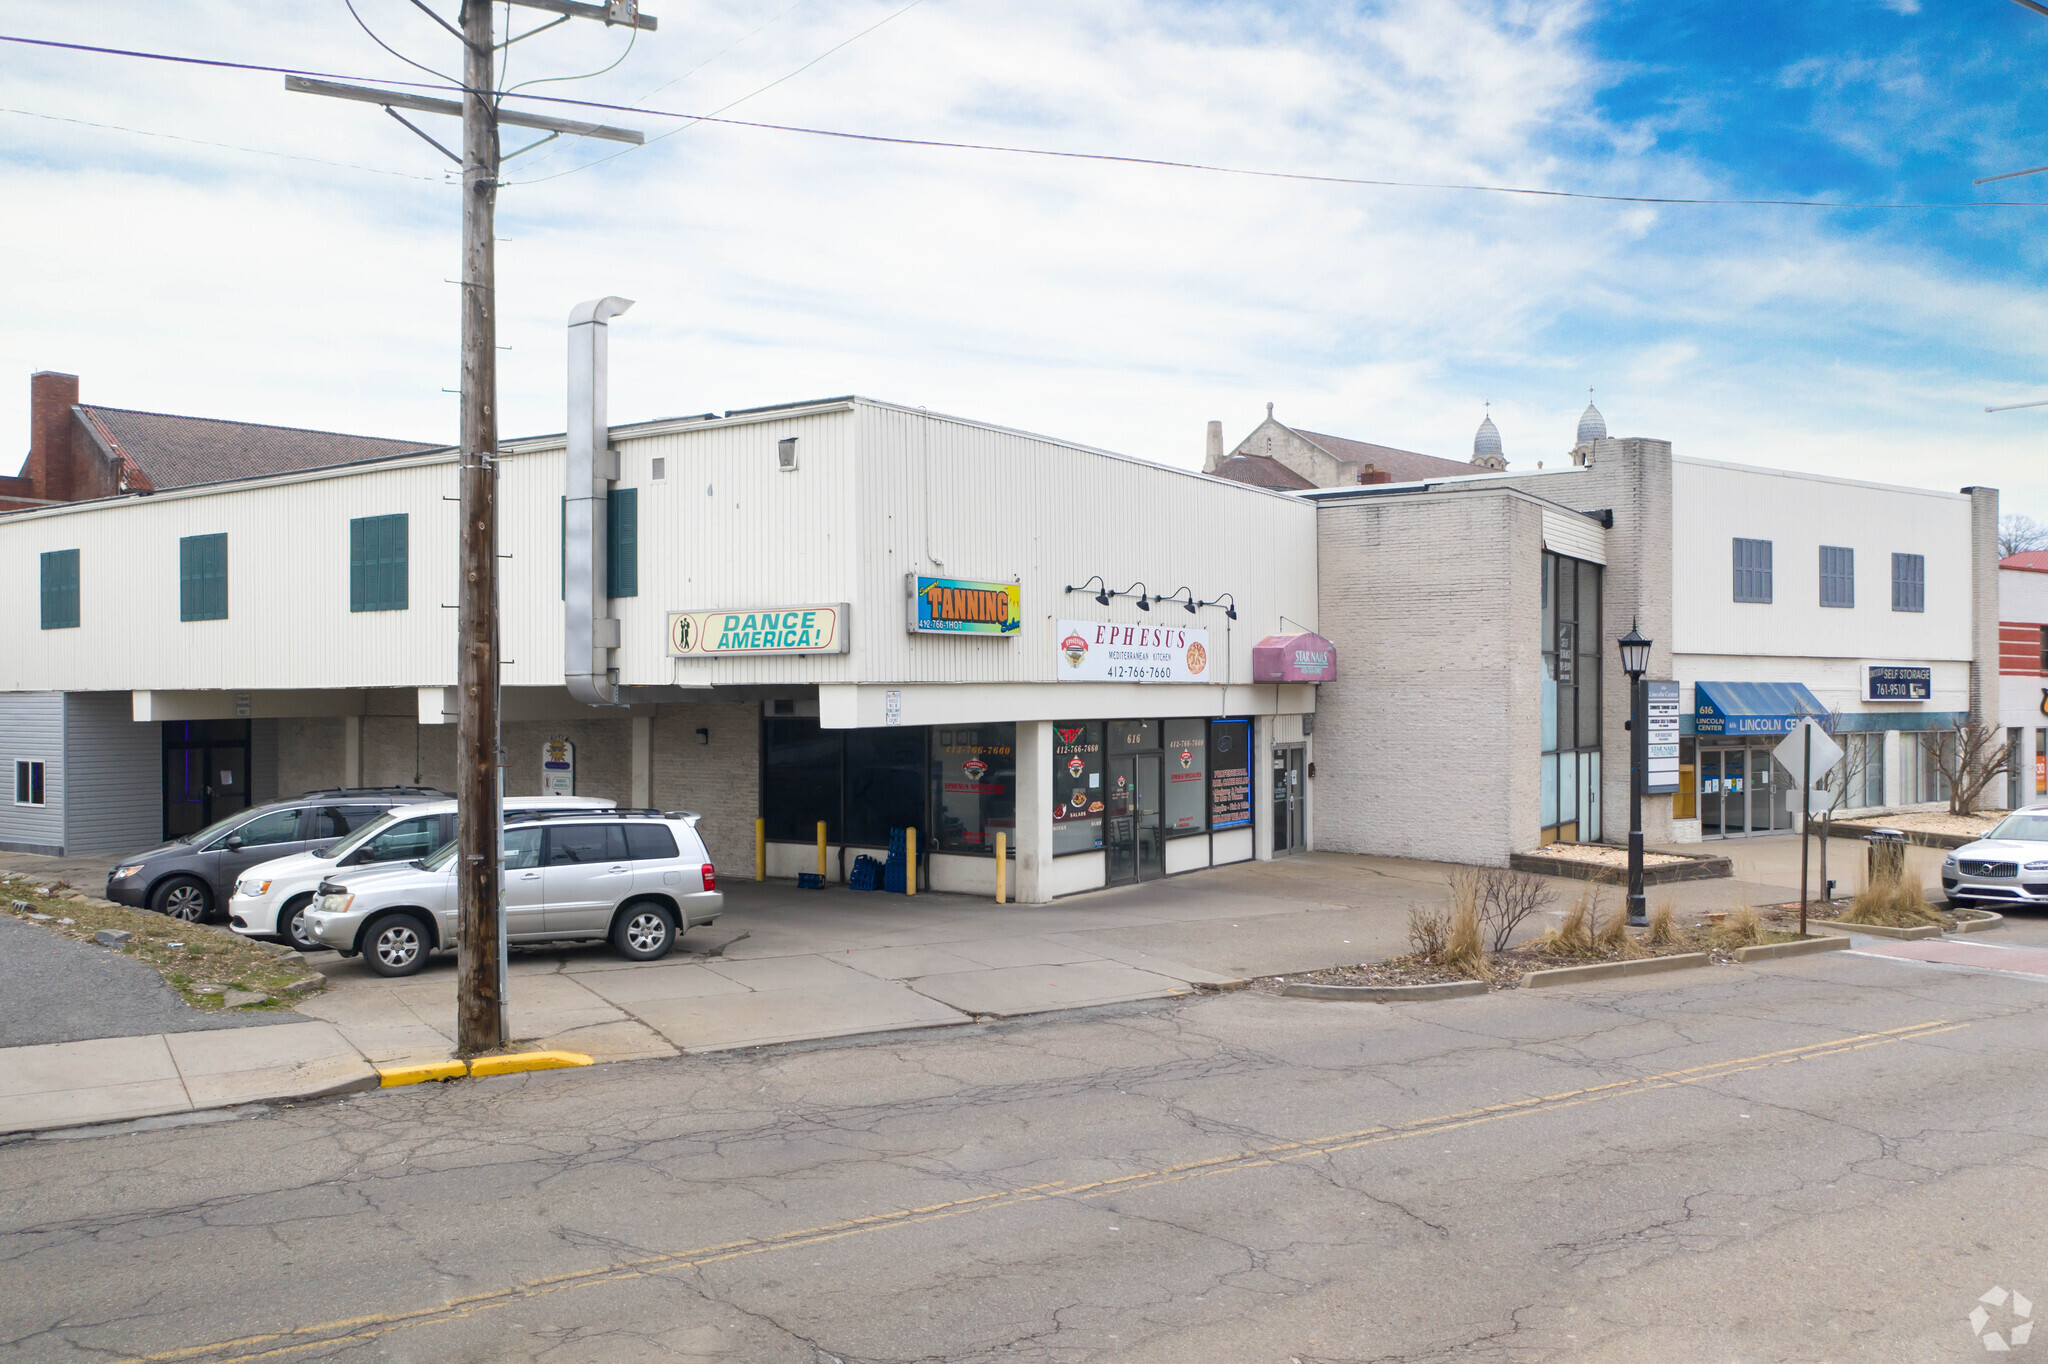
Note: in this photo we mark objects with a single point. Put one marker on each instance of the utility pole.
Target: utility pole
(480, 1022)
(480, 1007)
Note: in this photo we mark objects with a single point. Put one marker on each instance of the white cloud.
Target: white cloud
(1118, 305)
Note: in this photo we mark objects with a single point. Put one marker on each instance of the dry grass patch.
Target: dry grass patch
(1663, 923)
(200, 961)
(1892, 900)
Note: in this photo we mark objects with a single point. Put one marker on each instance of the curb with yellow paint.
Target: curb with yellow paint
(512, 1064)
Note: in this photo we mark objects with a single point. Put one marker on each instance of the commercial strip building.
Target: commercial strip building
(876, 617)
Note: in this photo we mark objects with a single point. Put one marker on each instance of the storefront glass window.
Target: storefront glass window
(1571, 700)
(1230, 773)
(1187, 776)
(884, 783)
(974, 781)
(1077, 786)
(800, 779)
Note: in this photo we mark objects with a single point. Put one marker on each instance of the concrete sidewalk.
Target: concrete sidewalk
(785, 965)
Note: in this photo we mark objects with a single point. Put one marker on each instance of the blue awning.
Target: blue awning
(1736, 708)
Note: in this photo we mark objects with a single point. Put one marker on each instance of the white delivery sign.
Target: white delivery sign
(1097, 651)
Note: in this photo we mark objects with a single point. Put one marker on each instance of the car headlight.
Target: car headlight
(252, 889)
(1949, 861)
(121, 873)
(337, 904)
(2037, 866)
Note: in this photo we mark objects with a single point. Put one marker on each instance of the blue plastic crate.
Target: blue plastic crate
(809, 880)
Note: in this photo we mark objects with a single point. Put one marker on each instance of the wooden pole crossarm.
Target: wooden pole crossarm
(618, 12)
(426, 104)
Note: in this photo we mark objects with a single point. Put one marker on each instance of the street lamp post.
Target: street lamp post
(1635, 661)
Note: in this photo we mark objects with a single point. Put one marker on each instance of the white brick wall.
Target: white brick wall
(1427, 743)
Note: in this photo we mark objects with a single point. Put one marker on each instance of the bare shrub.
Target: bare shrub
(1573, 934)
(1743, 927)
(1893, 899)
(1663, 929)
(1506, 898)
(1612, 936)
(1465, 953)
(1429, 932)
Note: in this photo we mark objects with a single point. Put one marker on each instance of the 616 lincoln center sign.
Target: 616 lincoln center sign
(1096, 651)
(817, 629)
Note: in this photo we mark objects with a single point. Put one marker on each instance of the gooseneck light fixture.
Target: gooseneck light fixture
(1176, 595)
(1144, 595)
(1230, 610)
(1102, 589)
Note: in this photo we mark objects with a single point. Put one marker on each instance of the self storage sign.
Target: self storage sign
(959, 606)
(815, 629)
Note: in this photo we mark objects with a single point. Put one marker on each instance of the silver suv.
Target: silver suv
(640, 878)
(2009, 865)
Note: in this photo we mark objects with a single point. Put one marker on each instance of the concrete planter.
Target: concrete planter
(1388, 994)
(1917, 837)
(1804, 947)
(1610, 970)
(1878, 930)
(1696, 867)
(1989, 920)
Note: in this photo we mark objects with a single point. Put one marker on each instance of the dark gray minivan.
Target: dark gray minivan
(192, 877)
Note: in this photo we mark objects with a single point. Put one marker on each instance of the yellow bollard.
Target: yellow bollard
(821, 850)
(910, 861)
(760, 850)
(1002, 851)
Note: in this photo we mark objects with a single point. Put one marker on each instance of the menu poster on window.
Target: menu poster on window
(976, 767)
(1076, 786)
(1187, 775)
(1230, 773)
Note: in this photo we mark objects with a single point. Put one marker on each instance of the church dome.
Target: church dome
(1487, 441)
(1592, 426)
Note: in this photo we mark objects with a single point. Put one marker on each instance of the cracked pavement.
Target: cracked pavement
(1828, 1158)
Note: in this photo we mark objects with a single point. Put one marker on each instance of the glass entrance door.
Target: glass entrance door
(1133, 832)
(1287, 799)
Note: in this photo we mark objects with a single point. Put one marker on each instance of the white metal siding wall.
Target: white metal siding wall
(1005, 505)
(32, 728)
(1798, 513)
(113, 770)
(289, 623)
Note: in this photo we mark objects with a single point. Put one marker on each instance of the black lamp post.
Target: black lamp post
(1635, 661)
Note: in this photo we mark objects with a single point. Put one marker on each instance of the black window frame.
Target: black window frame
(1840, 576)
(1752, 578)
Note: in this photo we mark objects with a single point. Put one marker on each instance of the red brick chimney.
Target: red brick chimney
(52, 468)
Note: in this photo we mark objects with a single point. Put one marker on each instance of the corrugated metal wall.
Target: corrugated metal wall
(32, 730)
(113, 774)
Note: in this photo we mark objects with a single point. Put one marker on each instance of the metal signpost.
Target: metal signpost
(1808, 753)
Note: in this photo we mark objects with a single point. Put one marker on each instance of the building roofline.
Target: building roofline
(1817, 478)
(260, 426)
(1435, 489)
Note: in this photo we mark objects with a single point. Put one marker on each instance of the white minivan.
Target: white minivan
(270, 899)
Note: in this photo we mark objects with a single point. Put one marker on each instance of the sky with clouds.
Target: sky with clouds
(200, 241)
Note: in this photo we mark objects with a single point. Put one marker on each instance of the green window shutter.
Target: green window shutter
(622, 543)
(60, 589)
(203, 577)
(377, 565)
(562, 546)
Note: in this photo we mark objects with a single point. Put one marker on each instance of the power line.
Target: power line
(224, 146)
(1105, 157)
(541, 179)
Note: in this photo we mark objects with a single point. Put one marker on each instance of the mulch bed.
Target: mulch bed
(1779, 916)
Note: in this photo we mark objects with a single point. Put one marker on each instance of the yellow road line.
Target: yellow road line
(370, 1326)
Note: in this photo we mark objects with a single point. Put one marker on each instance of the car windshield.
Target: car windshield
(439, 857)
(362, 835)
(2027, 826)
(217, 828)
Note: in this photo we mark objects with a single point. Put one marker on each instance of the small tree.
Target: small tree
(2018, 533)
(1846, 775)
(1970, 758)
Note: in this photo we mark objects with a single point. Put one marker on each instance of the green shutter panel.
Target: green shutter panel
(358, 554)
(203, 577)
(622, 543)
(60, 589)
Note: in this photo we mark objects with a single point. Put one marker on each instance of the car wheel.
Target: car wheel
(291, 925)
(183, 897)
(644, 932)
(397, 945)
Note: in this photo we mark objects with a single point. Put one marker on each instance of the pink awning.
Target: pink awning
(1294, 658)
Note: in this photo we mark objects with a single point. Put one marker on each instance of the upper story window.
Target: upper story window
(1837, 575)
(377, 578)
(1909, 582)
(203, 577)
(2044, 649)
(60, 589)
(1752, 570)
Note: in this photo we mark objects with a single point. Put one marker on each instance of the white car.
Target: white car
(270, 900)
(640, 878)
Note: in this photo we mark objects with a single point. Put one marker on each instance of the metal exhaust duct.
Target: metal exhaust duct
(590, 631)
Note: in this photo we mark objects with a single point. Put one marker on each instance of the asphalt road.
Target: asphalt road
(53, 989)
(1832, 1158)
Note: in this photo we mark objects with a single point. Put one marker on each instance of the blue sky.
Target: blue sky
(1120, 306)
